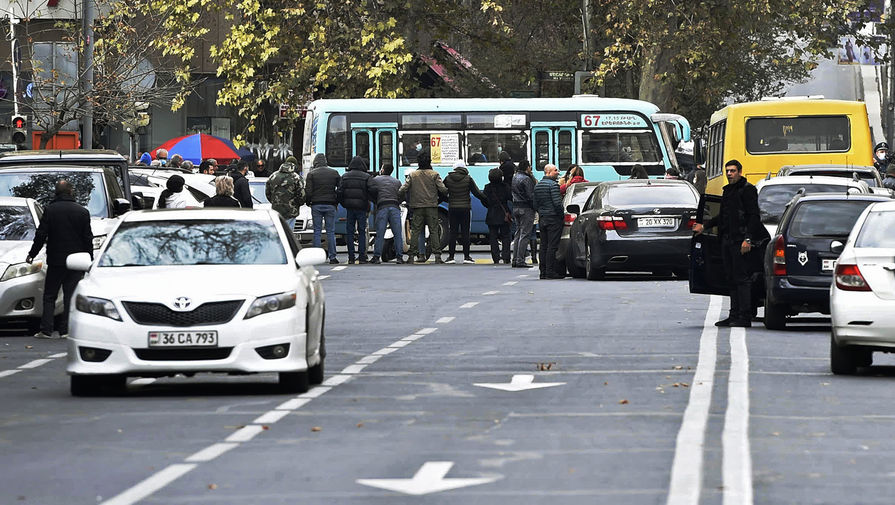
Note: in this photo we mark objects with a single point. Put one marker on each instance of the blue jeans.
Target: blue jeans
(357, 218)
(320, 212)
(390, 216)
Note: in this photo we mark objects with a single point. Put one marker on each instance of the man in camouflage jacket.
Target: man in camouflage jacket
(285, 190)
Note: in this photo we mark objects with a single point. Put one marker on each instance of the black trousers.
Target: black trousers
(458, 223)
(739, 279)
(551, 230)
(497, 235)
(58, 277)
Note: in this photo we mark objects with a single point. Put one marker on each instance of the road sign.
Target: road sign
(430, 478)
(519, 383)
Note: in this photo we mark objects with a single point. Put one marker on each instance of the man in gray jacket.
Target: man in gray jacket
(523, 211)
(422, 190)
(383, 191)
(548, 203)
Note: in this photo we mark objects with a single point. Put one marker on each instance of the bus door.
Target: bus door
(553, 144)
(376, 143)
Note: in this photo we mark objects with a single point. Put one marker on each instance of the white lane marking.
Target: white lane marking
(335, 380)
(686, 469)
(445, 319)
(487, 293)
(368, 360)
(271, 417)
(510, 283)
(142, 381)
(341, 267)
(736, 459)
(245, 433)
(59, 355)
(430, 478)
(293, 404)
(322, 277)
(426, 331)
(151, 484)
(400, 343)
(469, 305)
(353, 369)
(7, 373)
(522, 276)
(211, 452)
(385, 350)
(36, 363)
(411, 338)
(315, 393)
(518, 383)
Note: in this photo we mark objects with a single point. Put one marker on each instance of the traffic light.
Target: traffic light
(19, 129)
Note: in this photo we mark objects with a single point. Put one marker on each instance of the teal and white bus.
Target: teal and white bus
(605, 136)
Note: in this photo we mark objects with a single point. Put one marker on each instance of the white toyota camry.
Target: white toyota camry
(197, 290)
(862, 297)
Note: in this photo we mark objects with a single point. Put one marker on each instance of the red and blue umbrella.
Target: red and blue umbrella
(200, 147)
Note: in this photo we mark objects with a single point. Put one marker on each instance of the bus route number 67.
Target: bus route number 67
(590, 119)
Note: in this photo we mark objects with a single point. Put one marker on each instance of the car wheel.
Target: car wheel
(593, 272)
(843, 360)
(774, 315)
(294, 382)
(315, 374)
(571, 265)
(95, 385)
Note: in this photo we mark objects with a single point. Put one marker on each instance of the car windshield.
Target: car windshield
(258, 194)
(41, 186)
(772, 199)
(655, 195)
(16, 223)
(877, 230)
(194, 242)
(826, 219)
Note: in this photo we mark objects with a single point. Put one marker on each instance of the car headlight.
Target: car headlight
(98, 241)
(21, 270)
(271, 303)
(97, 306)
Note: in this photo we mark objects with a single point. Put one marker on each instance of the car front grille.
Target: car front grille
(158, 314)
(299, 226)
(183, 354)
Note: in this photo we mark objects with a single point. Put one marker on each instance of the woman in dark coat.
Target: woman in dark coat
(223, 186)
(498, 218)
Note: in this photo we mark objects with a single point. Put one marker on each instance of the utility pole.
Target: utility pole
(87, 82)
(890, 101)
(13, 21)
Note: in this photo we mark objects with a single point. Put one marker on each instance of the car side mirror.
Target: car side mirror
(120, 206)
(79, 262)
(573, 209)
(837, 247)
(310, 256)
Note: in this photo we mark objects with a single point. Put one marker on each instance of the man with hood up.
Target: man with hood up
(286, 191)
(459, 185)
(320, 190)
(354, 197)
(241, 190)
(422, 190)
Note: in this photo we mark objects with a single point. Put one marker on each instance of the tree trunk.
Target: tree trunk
(653, 88)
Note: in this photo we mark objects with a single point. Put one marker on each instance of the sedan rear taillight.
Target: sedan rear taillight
(568, 219)
(611, 223)
(779, 256)
(849, 278)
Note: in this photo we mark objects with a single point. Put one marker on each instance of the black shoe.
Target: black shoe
(554, 275)
(517, 265)
(740, 323)
(363, 261)
(334, 261)
(350, 260)
(542, 276)
(409, 259)
(375, 260)
(399, 260)
(438, 260)
(724, 322)
(420, 259)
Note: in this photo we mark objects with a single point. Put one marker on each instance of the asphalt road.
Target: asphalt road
(648, 405)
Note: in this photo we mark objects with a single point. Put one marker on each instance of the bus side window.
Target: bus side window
(542, 149)
(338, 149)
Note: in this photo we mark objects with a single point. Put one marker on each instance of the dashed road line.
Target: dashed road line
(36, 363)
(351, 369)
(211, 452)
(510, 283)
(7, 373)
(322, 277)
(400, 343)
(143, 381)
(340, 267)
(151, 485)
(413, 338)
(33, 364)
(489, 293)
(445, 319)
(59, 355)
(469, 305)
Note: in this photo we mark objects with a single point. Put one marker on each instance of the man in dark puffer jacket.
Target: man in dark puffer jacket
(320, 188)
(354, 197)
(459, 185)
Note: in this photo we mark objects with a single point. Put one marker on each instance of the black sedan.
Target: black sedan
(634, 225)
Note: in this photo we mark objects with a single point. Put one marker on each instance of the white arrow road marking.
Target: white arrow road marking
(519, 383)
(428, 479)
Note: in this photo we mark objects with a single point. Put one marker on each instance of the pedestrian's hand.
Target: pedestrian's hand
(745, 247)
(28, 259)
(698, 228)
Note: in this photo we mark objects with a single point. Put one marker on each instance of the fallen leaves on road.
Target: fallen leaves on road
(546, 366)
(316, 428)
(265, 427)
(29, 347)
(623, 402)
(678, 367)
(212, 486)
(360, 425)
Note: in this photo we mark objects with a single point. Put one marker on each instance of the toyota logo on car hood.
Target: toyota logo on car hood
(182, 303)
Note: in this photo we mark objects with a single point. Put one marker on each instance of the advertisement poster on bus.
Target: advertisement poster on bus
(444, 148)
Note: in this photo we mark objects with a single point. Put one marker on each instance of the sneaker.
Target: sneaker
(399, 260)
(375, 260)
(449, 261)
(438, 260)
(363, 261)
(350, 261)
(469, 261)
(420, 259)
(44, 335)
(333, 261)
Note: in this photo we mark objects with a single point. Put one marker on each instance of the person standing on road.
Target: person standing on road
(320, 188)
(223, 188)
(354, 197)
(576, 175)
(422, 190)
(285, 190)
(889, 181)
(65, 229)
(383, 190)
(460, 185)
(498, 218)
(740, 229)
(523, 211)
(241, 189)
(507, 167)
(548, 204)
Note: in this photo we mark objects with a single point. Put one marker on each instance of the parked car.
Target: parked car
(862, 296)
(774, 194)
(868, 174)
(576, 194)
(21, 284)
(798, 264)
(221, 290)
(634, 225)
(96, 188)
(200, 186)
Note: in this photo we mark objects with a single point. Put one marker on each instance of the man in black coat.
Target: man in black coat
(739, 228)
(320, 190)
(241, 189)
(65, 228)
(507, 167)
(354, 197)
